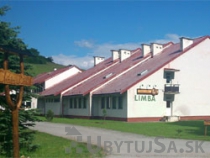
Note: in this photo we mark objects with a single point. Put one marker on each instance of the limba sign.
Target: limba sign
(146, 94)
(144, 98)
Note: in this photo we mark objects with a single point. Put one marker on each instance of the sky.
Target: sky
(72, 32)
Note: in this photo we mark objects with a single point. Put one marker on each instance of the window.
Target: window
(120, 102)
(70, 103)
(75, 103)
(102, 102)
(114, 102)
(108, 103)
(168, 104)
(80, 103)
(84, 103)
(57, 100)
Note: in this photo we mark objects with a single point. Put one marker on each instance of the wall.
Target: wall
(75, 111)
(120, 113)
(54, 107)
(193, 78)
(41, 105)
(33, 103)
(151, 107)
(60, 77)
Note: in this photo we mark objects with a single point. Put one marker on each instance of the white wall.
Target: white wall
(193, 78)
(33, 103)
(148, 108)
(60, 77)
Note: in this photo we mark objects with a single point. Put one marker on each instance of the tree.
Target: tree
(9, 38)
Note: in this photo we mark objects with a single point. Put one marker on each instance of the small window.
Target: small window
(120, 102)
(84, 103)
(108, 103)
(102, 103)
(114, 102)
(70, 103)
(75, 103)
(168, 104)
(80, 103)
(57, 100)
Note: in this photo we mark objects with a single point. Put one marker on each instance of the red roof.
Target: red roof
(87, 86)
(91, 79)
(71, 81)
(130, 78)
(47, 75)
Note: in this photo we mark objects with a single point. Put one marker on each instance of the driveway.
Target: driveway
(120, 144)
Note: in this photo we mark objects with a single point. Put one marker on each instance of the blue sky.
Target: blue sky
(74, 31)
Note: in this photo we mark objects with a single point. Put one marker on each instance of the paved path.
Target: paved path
(120, 144)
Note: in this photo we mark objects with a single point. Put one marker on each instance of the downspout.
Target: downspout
(61, 104)
(90, 104)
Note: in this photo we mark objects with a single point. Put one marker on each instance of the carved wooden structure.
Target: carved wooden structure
(9, 78)
(206, 124)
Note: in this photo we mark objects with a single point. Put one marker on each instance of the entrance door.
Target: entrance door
(168, 108)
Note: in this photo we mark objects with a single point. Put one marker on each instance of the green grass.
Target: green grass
(41, 68)
(182, 129)
(52, 146)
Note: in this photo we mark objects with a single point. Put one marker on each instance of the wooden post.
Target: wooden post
(205, 133)
(14, 107)
(17, 80)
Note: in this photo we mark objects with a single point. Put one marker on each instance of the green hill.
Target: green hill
(41, 68)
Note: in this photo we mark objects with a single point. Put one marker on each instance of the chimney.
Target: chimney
(97, 60)
(115, 55)
(156, 48)
(146, 49)
(185, 42)
(124, 54)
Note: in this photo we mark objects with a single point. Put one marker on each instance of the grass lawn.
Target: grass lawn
(182, 129)
(52, 146)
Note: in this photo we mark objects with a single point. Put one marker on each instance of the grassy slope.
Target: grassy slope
(41, 68)
(182, 129)
(57, 147)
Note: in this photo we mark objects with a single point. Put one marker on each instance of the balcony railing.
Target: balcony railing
(171, 88)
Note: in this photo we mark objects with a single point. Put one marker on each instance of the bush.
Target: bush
(26, 136)
(49, 116)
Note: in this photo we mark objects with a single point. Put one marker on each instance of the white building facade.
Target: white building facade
(157, 82)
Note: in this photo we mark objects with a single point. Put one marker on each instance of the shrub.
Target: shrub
(49, 116)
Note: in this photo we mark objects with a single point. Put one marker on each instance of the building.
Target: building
(157, 81)
(47, 80)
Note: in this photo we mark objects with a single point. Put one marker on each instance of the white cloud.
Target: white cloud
(85, 43)
(103, 50)
(82, 62)
(168, 38)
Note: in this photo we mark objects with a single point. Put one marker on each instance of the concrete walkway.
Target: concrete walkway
(120, 144)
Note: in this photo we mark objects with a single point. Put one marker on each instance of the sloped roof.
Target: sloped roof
(87, 86)
(130, 78)
(47, 75)
(71, 81)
